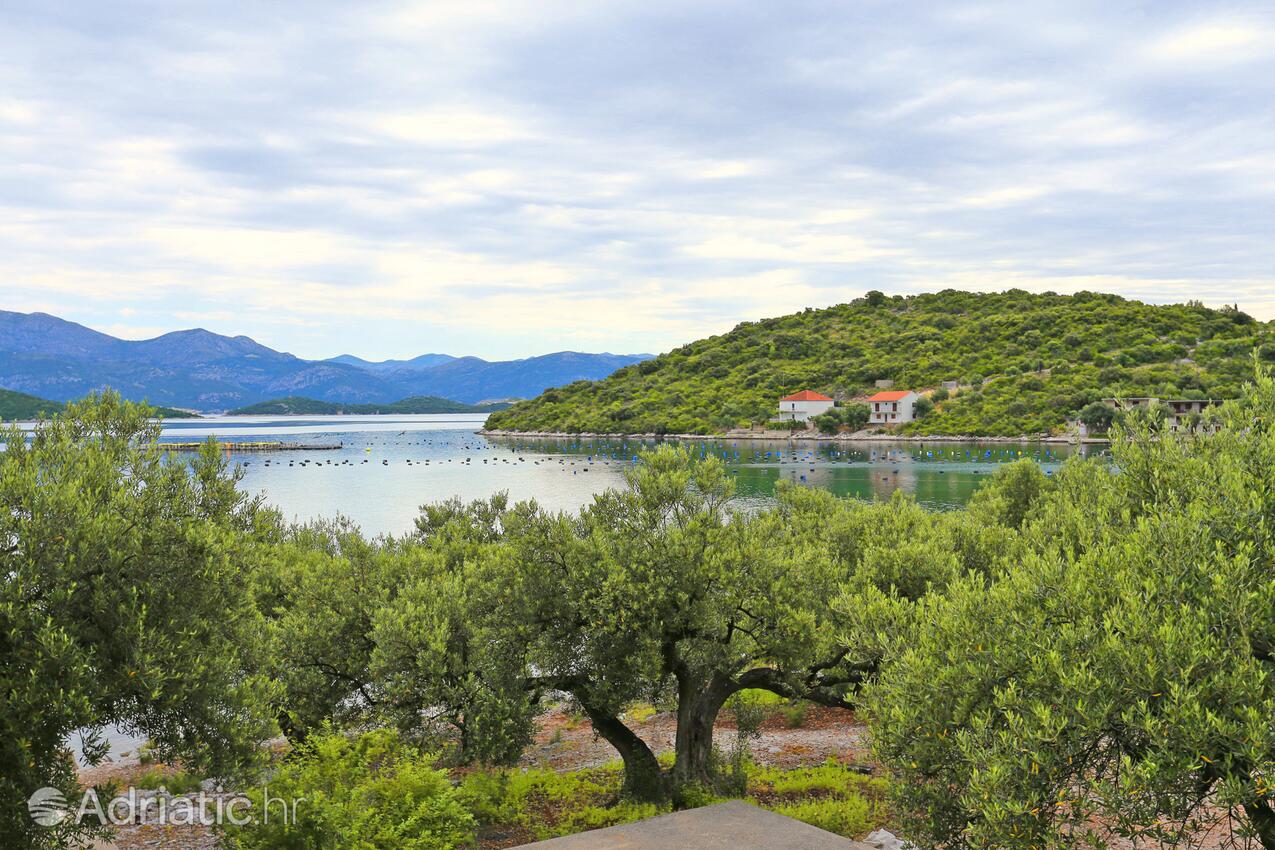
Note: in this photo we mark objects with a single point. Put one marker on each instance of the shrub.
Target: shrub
(597, 817)
(1098, 417)
(174, 781)
(795, 715)
(849, 817)
(550, 804)
(855, 416)
(371, 792)
(827, 423)
(640, 712)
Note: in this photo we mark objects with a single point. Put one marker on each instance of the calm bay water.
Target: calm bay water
(388, 466)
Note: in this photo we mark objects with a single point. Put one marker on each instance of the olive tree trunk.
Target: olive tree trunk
(698, 705)
(643, 779)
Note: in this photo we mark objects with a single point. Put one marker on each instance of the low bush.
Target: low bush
(640, 712)
(547, 803)
(174, 781)
(849, 816)
(371, 792)
(830, 796)
(795, 715)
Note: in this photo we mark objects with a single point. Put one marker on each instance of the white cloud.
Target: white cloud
(242, 248)
(447, 127)
(506, 178)
(1214, 42)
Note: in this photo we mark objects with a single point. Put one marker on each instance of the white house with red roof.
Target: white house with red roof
(803, 405)
(892, 407)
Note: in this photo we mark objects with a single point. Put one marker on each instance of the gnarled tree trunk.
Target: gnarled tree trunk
(698, 704)
(1262, 818)
(643, 779)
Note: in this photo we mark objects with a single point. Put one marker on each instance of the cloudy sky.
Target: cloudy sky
(507, 179)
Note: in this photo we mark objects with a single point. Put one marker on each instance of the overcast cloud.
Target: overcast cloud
(507, 179)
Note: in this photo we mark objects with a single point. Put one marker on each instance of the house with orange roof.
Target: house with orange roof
(893, 407)
(801, 406)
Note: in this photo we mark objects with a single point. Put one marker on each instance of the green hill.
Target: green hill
(174, 413)
(15, 405)
(416, 404)
(1030, 363)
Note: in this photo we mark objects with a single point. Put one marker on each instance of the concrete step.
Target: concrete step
(726, 826)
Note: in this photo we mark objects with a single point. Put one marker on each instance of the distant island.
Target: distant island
(15, 405)
(1005, 364)
(293, 405)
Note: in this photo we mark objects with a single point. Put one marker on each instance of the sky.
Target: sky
(508, 179)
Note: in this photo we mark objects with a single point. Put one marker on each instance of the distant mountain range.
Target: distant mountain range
(299, 405)
(52, 358)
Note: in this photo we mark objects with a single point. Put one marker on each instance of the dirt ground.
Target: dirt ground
(566, 743)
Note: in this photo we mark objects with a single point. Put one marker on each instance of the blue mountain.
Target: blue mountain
(52, 358)
(424, 361)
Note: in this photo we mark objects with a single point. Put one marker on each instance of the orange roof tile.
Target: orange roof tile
(892, 395)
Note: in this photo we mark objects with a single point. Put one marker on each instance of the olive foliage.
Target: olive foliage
(1118, 676)
(123, 602)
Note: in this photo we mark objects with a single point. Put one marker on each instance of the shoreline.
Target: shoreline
(786, 436)
(253, 446)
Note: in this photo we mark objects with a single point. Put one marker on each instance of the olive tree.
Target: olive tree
(661, 591)
(319, 593)
(382, 631)
(1118, 677)
(436, 661)
(123, 601)
(1098, 417)
(658, 588)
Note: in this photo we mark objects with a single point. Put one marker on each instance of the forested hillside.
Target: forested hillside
(1030, 363)
(14, 405)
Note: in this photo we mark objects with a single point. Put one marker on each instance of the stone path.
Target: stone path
(725, 826)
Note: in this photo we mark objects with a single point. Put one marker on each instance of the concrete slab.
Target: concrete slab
(726, 826)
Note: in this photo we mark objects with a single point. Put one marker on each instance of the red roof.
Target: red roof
(806, 395)
(892, 395)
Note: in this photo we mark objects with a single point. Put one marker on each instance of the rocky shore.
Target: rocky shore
(804, 437)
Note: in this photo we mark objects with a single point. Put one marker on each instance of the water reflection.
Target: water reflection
(388, 466)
